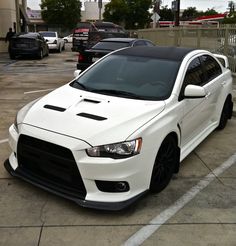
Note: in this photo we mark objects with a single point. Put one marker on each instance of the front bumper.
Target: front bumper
(90, 169)
(84, 203)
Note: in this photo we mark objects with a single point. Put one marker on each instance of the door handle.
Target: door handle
(223, 83)
(208, 94)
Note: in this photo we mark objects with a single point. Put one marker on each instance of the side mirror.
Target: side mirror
(194, 91)
(77, 73)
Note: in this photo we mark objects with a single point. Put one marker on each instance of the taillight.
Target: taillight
(80, 58)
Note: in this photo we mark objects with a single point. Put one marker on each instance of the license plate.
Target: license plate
(94, 59)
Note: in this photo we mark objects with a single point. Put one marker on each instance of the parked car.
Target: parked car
(105, 46)
(55, 42)
(68, 39)
(123, 126)
(87, 34)
(28, 44)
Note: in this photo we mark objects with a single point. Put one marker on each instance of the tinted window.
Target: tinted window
(110, 45)
(211, 67)
(48, 34)
(194, 74)
(139, 43)
(149, 44)
(144, 77)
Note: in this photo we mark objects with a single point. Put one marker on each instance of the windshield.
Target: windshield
(48, 34)
(131, 77)
(110, 45)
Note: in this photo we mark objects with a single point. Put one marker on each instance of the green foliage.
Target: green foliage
(130, 13)
(65, 13)
(189, 14)
(166, 14)
(229, 20)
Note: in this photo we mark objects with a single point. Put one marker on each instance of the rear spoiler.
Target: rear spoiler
(223, 60)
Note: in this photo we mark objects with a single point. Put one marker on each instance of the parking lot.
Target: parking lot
(197, 208)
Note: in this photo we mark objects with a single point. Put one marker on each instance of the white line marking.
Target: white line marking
(30, 92)
(3, 140)
(145, 232)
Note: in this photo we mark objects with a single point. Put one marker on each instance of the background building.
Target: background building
(91, 11)
(12, 14)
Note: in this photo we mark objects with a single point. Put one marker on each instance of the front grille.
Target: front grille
(50, 164)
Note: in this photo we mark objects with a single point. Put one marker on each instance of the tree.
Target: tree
(115, 11)
(189, 13)
(130, 13)
(65, 13)
(166, 14)
(210, 12)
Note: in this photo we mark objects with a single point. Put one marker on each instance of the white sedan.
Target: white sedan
(122, 127)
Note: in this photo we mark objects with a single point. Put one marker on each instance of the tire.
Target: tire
(167, 161)
(12, 56)
(225, 114)
(40, 55)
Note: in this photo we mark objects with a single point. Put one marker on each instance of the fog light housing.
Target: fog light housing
(112, 186)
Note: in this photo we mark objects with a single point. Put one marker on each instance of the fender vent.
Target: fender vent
(92, 116)
(54, 108)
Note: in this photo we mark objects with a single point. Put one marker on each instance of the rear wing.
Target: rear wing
(223, 60)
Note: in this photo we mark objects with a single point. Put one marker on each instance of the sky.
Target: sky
(218, 5)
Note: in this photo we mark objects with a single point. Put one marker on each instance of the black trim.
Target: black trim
(112, 206)
(91, 101)
(92, 116)
(54, 108)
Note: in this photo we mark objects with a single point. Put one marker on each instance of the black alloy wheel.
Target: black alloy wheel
(165, 164)
(225, 114)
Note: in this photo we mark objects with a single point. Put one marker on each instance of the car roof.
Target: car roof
(127, 40)
(27, 35)
(159, 52)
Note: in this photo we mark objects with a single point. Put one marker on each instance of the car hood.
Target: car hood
(94, 118)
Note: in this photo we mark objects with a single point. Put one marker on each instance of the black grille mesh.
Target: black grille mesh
(51, 164)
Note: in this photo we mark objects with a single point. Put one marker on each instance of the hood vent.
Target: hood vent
(54, 108)
(91, 101)
(92, 116)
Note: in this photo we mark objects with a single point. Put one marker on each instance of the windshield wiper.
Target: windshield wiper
(117, 93)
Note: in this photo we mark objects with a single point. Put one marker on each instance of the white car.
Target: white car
(122, 127)
(54, 41)
(68, 39)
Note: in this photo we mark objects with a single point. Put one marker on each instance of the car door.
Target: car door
(214, 80)
(195, 110)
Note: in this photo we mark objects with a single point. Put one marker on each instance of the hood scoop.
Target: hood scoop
(54, 108)
(92, 116)
(91, 101)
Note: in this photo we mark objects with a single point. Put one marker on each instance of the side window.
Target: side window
(139, 43)
(194, 74)
(149, 44)
(211, 66)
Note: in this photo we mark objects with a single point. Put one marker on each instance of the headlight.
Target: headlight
(22, 113)
(117, 150)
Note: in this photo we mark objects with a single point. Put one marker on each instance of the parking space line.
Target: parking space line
(145, 232)
(31, 92)
(3, 141)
